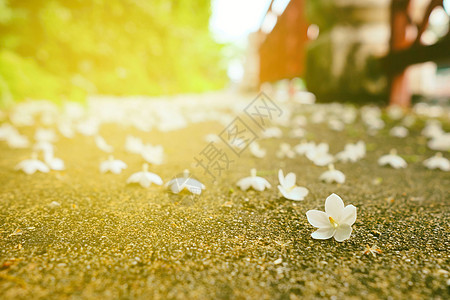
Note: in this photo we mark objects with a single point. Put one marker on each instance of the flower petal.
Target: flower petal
(343, 232)
(289, 180)
(281, 177)
(334, 206)
(323, 233)
(318, 218)
(348, 215)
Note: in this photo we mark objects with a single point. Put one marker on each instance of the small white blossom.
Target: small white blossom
(45, 135)
(88, 127)
(133, 144)
(285, 150)
(54, 163)
(256, 150)
(352, 152)
(440, 142)
(336, 221)
(212, 138)
(395, 112)
(399, 131)
(272, 132)
(112, 165)
(185, 183)
(153, 154)
(304, 147)
(145, 178)
(332, 175)
(289, 189)
(32, 165)
(393, 160)
(103, 145)
(18, 141)
(319, 155)
(433, 128)
(437, 162)
(336, 125)
(297, 133)
(253, 181)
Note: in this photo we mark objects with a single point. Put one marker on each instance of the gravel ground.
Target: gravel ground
(107, 240)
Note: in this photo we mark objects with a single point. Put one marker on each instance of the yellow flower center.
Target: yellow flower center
(333, 222)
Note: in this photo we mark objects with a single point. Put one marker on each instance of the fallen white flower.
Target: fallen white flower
(145, 178)
(433, 128)
(153, 154)
(399, 131)
(18, 141)
(285, 150)
(336, 125)
(253, 181)
(297, 133)
(112, 165)
(336, 221)
(304, 147)
(185, 183)
(352, 152)
(133, 144)
(32, 165)
(272, 132)
(289, 189)
(103, 145)
(54, 163)
(45, 135)
(332, 175)
(319, 155)
(256, 150)
(440, 142)
(393, 160)
(437, 162)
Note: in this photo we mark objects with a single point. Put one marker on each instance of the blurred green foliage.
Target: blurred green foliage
(56, 49)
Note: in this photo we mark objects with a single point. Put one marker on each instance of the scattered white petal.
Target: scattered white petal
(399, 131)
(336, 221)
(185, 183)
(103, 145)
(437, 162)
(289, 189)
(332, 175)
(112, 165)
(32, 165)
(393, 160)
(285, 150)
(256, 150)
(153, 154)
(253, 181)
(145, 178)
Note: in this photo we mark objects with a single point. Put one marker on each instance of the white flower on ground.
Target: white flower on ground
(45, 135)
(88, 127)
(18, 141)
(399, 131)
(103, 145)
(256, 150)
(153, 154)
(332, 175)
(133, 144)
(304, 147)
(408, 121)
(437, 162)
(285, 150)
(395, 112)
(336, 125)
(272, 132)
(319, 155)
(212, 138)
(32, 165)
(145, 178)
(54, 163)
(336, 221)
(66, 129)
(393, 160)
(185, 183)
(297, 133)
(352, 152)
(112, 165)
(289, 189)
(253, 181)
(440, 142)
(433, 128)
